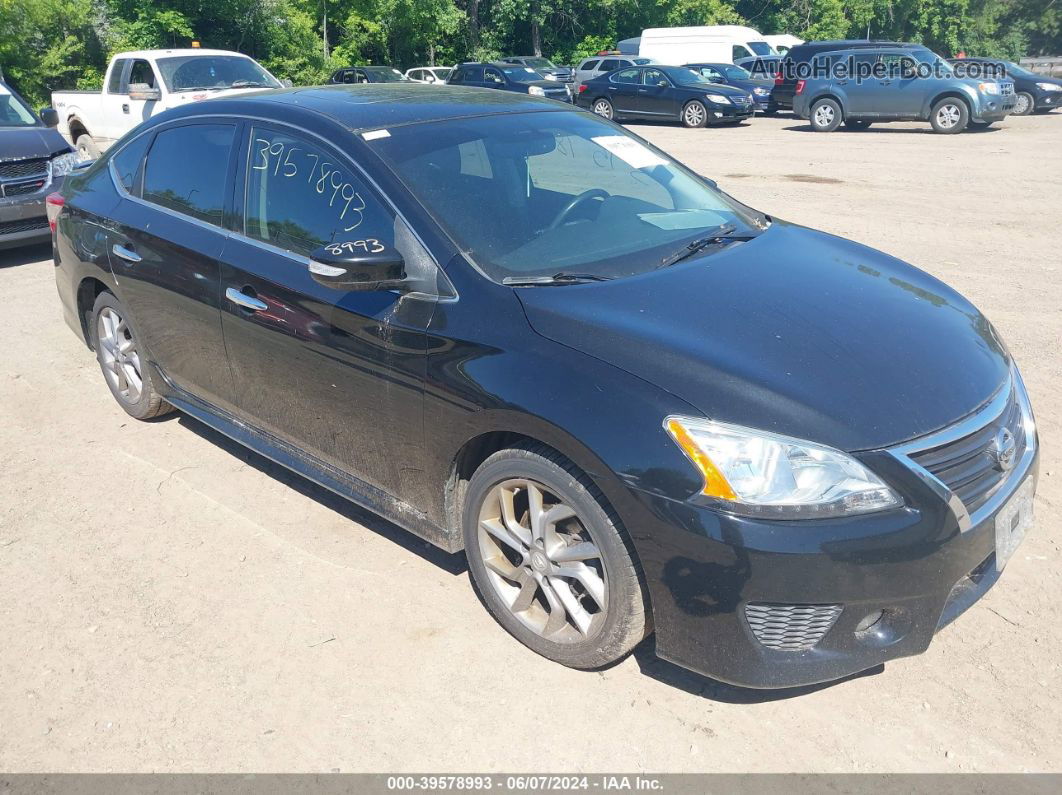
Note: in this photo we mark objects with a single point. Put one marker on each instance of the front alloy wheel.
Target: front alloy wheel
(550, 560)
(950, 116)
(694, 115)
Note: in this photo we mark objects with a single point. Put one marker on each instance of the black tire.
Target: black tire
(949, 116)
(825, 115)
(603, 108)
(694, 115)
(1024, 104)
(146, 403)
(625, 622)
(856, 124)
(86, 146)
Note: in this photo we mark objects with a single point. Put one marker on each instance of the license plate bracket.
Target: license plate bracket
(1012, 522)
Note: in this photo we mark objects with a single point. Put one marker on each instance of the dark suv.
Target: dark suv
(799, 57)
(886, 84)
(509, 77)
(543, 66)
(34, 159)
(368, 74)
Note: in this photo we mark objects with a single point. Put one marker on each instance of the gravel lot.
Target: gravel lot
(172, 602)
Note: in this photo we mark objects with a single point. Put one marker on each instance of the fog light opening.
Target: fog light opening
(869, 620)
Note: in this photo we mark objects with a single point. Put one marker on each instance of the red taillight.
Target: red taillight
(582, 88)
(778, 79)
(53, 205)
(800, 87)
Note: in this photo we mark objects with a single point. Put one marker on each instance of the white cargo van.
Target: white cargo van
(702, 43)
(783, 42)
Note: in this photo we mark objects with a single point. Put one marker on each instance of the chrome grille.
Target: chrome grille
(790, 627)
(24, 169)
(971, 466)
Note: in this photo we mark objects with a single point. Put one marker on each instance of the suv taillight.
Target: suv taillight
(582, 87)
(778, 79)
(800, 87)
(53, 205)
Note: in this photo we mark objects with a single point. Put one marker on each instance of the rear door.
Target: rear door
(336, 374)
(862, 95)
(168, 240)
(623, 88)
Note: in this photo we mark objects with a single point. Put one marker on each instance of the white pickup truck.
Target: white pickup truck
(140, 84)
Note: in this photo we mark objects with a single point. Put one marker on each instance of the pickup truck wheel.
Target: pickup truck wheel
(120, 359)
(1023, 104)
(949, 116)
(86, 147)
(551, 562)
(825, 116)
(856, 124)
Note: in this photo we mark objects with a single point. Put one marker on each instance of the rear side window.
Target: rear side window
(127, 163)
(473, 74)
(301, 196)
(114, 82)
(627, 76)
(589, 65)
(187, 170)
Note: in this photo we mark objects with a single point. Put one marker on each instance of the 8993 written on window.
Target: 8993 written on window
(301, 196)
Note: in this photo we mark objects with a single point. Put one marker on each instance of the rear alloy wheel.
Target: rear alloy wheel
(602, 107)
(949, 116)
(694, 114)
(550, 562)
(1024, 104)
(825, 116)
(120, 360)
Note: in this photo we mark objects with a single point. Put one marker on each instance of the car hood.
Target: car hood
(749, 85)
(714, 88)
(20, 143)
(797, 332)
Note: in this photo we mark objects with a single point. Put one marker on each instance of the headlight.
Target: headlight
(989, 88)
(536, 91)
(551, 77)
(762, 92)
(1049, 87)
(718, 98)
(764, 474)
(64, 164)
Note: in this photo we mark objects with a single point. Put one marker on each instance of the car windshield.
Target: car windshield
(535, 194)
(206, 72)
(441, 72)
(13, 112)
(761, 48)
(384, 74)
(523, 74)
(763, 67)
(539, 63)
(685, 76)
(1017, 71)
(735, 72)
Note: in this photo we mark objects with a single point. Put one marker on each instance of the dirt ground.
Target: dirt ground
(170, 602)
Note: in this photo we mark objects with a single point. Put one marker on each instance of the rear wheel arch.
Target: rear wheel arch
(88, 291)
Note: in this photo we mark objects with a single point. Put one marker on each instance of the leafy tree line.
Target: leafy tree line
(51, 44)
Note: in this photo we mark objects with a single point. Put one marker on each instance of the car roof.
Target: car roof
(369, 106)
(176, 52)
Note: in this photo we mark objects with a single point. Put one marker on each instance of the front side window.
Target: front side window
(301, 196)
(141, 73)
(494, 76)
(738, 51)
(187, 170)
(567, 191)
(760, 48)
(654, 77)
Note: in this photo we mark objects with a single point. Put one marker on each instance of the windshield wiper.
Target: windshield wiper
(557, 278)
(721, 234)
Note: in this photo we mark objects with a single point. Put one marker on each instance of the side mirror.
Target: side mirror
(662, 83)
(358, 265)
(50, 117)
(144, 91)
(286, 83)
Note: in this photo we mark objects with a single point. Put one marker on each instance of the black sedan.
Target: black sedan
(515, 329)
(509, 77)
(1034, 93)
(664, 92)
(736, 77)
(368, 74)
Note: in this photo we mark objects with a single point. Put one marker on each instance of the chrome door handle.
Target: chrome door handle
(244, 300)
(124, 253)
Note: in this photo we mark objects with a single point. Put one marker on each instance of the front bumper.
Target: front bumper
(995, 108)
(721, 584)
(722, 114)
(1047, 100)
(23, 218)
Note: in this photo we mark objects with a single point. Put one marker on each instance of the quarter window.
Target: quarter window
(301, 196)
(127, 163)
(187, 170)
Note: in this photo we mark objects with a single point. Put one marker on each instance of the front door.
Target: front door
(337, 374)
(166, 248)
(654, 97)
(901, 92)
